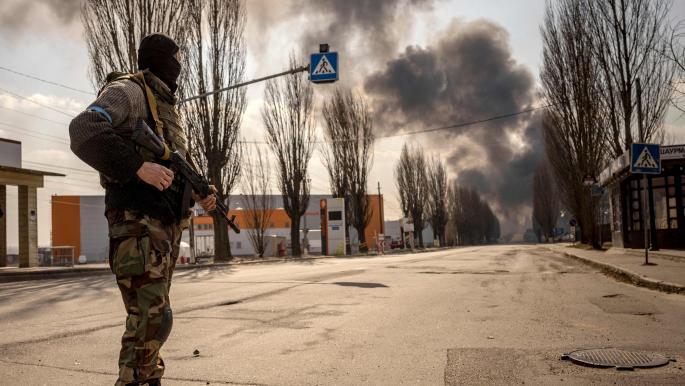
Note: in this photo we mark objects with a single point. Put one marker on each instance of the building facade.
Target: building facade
(78, 221)
(664, 207)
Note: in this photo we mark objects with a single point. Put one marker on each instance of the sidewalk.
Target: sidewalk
(12, 274)
(668, 275)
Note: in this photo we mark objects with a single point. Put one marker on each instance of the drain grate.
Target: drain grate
(614, 357)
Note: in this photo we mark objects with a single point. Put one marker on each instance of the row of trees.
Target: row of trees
(457, 214)
(211, 34)
(608, 82)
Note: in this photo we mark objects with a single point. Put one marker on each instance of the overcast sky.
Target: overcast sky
(421, 63)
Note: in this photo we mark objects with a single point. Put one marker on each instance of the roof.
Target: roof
(29, 171)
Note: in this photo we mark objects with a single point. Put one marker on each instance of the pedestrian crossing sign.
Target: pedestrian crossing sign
(645, 158)
(323, 67)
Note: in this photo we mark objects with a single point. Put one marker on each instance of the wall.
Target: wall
(10, 153)
(66, 222)
(94, 230)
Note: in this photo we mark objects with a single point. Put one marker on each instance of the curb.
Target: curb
(628, 276)
(10, 277)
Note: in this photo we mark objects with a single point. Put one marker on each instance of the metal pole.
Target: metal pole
(645, 211)
(599, 219)
(237, 85)
(380, 211)
(191, 237)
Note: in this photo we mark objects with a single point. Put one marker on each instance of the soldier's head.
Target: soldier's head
(160, 54)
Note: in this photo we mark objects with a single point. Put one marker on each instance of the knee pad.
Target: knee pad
(165, 327)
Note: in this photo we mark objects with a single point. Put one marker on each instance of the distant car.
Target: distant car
(395, 244)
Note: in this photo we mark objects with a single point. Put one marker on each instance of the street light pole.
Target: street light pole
(645, 204)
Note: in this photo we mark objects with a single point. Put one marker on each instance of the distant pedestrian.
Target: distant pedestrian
(147, 205)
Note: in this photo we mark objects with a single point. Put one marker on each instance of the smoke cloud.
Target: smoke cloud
(366, 33)
(468, 74)
(19, 16)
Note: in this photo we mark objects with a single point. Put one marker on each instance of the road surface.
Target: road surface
(478, 315)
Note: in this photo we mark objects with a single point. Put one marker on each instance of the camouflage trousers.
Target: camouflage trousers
(142, 255)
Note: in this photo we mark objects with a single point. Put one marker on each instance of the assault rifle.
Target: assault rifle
(144, 137)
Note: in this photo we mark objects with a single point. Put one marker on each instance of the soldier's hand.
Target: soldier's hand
(155, 175)
(208, 203)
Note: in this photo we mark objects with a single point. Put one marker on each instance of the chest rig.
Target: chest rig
(164, 118)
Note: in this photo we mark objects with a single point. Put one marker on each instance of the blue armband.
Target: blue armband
(100, 111)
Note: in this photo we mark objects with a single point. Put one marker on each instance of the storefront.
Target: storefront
(665, 209)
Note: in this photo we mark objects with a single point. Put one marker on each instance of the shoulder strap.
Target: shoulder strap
(151, 102)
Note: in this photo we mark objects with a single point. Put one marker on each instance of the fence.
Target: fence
(62, 256)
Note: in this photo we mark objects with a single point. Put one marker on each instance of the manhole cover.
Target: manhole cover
(614, 357)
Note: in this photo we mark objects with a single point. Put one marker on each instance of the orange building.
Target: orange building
(79, 222)
(375, 225)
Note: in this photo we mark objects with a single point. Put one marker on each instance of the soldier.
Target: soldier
(147, 206)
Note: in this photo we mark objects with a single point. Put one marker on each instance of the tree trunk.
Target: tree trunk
(222, 246)
(295, 236)
(362, 239)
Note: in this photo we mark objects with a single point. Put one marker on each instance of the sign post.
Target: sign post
(645, 158)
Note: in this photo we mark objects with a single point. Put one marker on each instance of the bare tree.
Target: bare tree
(216, 58)
(410, 177)
(471, 221)
(573, 125)
(348, 154)
(114, 28)
(676, 53)
(437, 197)
(257, 198)
(629, 39)
(288, 118)
(545, 201)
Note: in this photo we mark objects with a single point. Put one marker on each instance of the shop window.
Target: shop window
(660, 212)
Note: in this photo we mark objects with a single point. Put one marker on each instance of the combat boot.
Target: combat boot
(153, 382)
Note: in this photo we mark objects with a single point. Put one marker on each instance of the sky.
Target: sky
(419, 63)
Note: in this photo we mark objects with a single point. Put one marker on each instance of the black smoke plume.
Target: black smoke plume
(468, 74)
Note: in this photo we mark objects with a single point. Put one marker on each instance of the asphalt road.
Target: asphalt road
(481, 315)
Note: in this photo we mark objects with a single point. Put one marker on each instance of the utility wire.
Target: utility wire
(33, 116)
(36, 103)
(62, 167)
(469, 123)
(45, 81)
(21, 130)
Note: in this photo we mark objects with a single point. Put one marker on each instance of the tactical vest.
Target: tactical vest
(167, 123)
(161, 108)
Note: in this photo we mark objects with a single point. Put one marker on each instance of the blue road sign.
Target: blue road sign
(323, 67)
(645, 158)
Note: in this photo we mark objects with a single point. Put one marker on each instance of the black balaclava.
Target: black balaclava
(156, 53)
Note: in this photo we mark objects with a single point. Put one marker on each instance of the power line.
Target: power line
(21, 130)
(46, 81)
(62, 167)
(36, 103)
(469, 123)
(33, 116)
